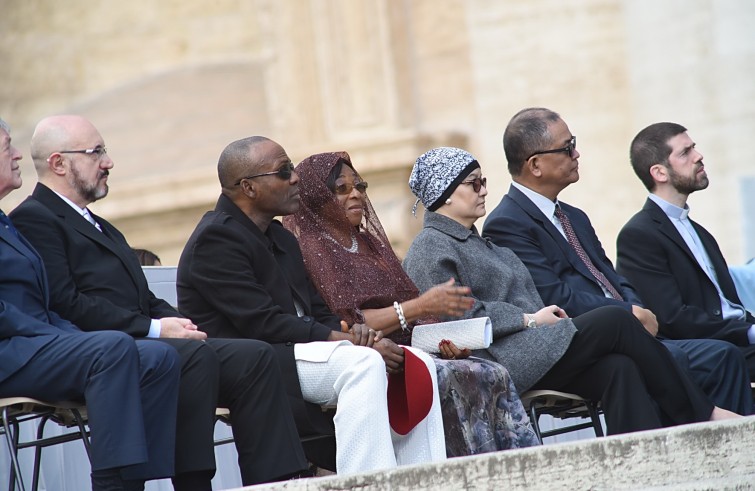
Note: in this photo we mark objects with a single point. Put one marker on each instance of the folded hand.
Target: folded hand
(393, 355)
(449, 351)
(178, 327)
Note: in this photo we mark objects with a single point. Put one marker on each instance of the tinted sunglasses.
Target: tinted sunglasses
(568, 149)
(283, 173)
(347, 187)
(477, 183)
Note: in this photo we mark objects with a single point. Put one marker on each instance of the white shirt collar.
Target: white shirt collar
(81, 211)
(671, 210)
(544, 204)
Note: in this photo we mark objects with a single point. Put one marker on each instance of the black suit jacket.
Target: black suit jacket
(237, 282)
(76, 255)
(560, 276)
(657, 261)
(97, 282)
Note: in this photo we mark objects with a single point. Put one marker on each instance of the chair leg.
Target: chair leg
(38, 448)
(82, 429)
(592, 409)
(535, 421)
(12, 439)
(38, 453)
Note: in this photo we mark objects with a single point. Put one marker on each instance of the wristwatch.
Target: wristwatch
(531, 322)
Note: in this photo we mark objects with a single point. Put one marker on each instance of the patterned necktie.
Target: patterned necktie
(5, 222)
(571, 237)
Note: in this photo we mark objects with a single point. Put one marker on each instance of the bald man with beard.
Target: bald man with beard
(130, 390)
(97, 282)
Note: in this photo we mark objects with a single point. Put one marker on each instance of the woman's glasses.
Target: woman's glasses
(346, 188)
(477, 183)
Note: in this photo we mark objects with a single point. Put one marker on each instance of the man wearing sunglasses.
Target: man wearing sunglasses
(242, 274)
(97, 283)
(560, 248)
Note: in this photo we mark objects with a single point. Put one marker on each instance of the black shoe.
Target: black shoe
(107, 480)
(133, 485)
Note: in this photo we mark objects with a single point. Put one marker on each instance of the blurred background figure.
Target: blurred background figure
(147, 257)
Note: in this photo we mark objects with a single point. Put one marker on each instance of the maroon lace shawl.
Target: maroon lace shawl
(349, 282)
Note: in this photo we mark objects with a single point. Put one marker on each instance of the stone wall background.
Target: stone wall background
(170, 83)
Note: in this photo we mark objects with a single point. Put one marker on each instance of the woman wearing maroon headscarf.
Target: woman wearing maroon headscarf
(350, 261)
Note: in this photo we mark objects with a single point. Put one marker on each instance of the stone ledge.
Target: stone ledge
(718, 455)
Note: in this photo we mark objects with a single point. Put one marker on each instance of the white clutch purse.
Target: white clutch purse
(474, 334)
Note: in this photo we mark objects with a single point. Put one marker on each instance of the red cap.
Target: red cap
(410, 394)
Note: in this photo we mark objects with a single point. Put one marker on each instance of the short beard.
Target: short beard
(687, 185)
(90, 193)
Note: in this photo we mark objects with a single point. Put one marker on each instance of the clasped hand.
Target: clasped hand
(449, 351)
(393, 354)
(549, 315)
(178, 327)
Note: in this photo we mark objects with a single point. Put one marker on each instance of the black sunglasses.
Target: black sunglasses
(347, 187)
(568, 149)
(477, 183)
(283, 173)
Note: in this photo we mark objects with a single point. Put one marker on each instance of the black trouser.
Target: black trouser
(242, 375)
(613, 359)
(749, 353)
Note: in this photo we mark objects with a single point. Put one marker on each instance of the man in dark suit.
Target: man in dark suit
(675, 264)
(130, 391)
(96, 281)
(560, 248)
(242, 275)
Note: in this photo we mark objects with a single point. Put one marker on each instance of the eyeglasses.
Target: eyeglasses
(283, 173)
(568, 149)
(477, 183)
(97, 151)
(347, 187)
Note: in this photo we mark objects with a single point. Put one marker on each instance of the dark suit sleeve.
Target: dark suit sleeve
(547, 265)
(222, 268)
(88, 312)
(598, 255)
(642, 258)
(158, 308)
(13, 323)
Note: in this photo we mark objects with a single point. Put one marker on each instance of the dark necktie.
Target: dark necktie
(571, 237)
(5, 222)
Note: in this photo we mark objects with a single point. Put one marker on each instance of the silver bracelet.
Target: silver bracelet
(400, 313)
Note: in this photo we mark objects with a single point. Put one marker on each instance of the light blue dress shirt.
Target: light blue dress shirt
(680, 219)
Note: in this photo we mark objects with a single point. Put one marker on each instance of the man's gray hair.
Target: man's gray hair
(4, 126)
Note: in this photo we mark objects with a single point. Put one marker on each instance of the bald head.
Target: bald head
(240, 158)
(70, 158)
(59, 133)
(257, 175)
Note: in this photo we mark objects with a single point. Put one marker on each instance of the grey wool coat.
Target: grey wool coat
(502, 288)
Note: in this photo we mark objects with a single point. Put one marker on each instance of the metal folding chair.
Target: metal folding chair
(561, 405)
(16, 410)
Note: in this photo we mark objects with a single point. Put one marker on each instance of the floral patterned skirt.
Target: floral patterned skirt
(481, 409)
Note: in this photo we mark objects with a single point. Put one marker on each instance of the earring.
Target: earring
(448, 201)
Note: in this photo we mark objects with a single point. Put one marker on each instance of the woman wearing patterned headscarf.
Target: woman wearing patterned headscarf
(351, 262)
(604, 355)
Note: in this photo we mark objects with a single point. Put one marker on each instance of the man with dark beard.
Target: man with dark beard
(673, 262)
(562, 251)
